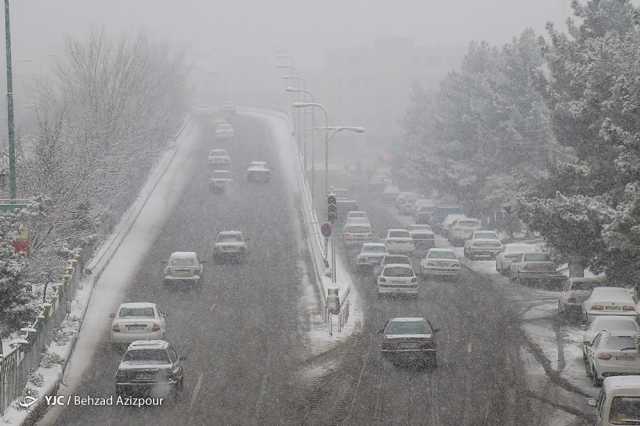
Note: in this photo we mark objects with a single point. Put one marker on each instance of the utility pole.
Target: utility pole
(10, 123)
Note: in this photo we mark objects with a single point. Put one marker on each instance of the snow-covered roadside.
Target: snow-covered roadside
(318, 338)
(558, 344)
(110, 270)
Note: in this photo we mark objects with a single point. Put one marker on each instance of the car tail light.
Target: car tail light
(382, 280)
(115, 328)
(597, 308)
(571, 300)
(156, 327)
(628, 308)
(414, 280)
(604, 355)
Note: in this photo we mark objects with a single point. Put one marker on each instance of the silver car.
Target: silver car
(409, 339)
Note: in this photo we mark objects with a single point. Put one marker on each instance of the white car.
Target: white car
(483, 244)
(354, 234)
(258, 171)
(220, 162)
(370, 255)
(399, 241)
(390, 259)
(618, 402)
(510, 253)
(220, 180)
(183, 267)
(230, 245)
(462, 229)
(440, 262)
(576, 290)
(611, 323)
(397, 279)
(609, 301)
(137, 321)
(612, 354)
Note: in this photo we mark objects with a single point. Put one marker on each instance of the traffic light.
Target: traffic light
(333, 301)
(332, 208)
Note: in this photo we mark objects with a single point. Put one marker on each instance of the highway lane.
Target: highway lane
(240, 333)
(479, 379)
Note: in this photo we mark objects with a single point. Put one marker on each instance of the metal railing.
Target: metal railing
(26, 354)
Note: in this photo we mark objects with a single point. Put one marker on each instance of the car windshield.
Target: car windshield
(147, 355)
(182, 261)
(442, 255)
(407, 327)
(399, 234)
(398, 271)
(486, 235)
(388, 260)
(619, 342)
(136, 312)
(536, 257)
(224, 238)
(613, 323)
(584, 285)
(422, 235)
(374, 249)
(625, 410)
(221, 174)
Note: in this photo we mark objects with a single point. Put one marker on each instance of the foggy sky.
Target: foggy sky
(259, 27)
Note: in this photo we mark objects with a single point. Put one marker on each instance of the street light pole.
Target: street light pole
(313, 141)
(10, 122)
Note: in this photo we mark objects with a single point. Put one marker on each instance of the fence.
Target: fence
(25, 356)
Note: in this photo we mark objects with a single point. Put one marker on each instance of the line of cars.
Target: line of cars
(151, 364)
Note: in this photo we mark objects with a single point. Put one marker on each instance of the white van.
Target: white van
(618, 402)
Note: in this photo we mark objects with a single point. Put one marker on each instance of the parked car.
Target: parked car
(150, 366)
(423, 240)
(536, 268)
(510, 253)
(390, 259)
(137, 321)
(576, 290)
(370, 255)
(462, 229)
(220, 180)
(618, 402)
(613, 323)
(483, 244)
(399, 241)
(441, 262)
(612, 354)
(609, 301)
(440, 212)
(397, 279)
(411, 339)
(259, 172)
(230, 245)
(183, 267)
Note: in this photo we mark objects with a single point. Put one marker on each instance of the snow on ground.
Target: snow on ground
(545, 338)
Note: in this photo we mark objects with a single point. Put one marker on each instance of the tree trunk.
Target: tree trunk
(576, 267)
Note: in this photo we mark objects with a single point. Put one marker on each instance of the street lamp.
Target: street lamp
(327, 137)
(313, 165)
(301, 83)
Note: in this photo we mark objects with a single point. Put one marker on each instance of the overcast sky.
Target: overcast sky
(259, 27)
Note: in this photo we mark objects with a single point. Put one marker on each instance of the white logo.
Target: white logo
(27, 401)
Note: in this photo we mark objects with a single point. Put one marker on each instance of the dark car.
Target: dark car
(410, 340)
(150, 367)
